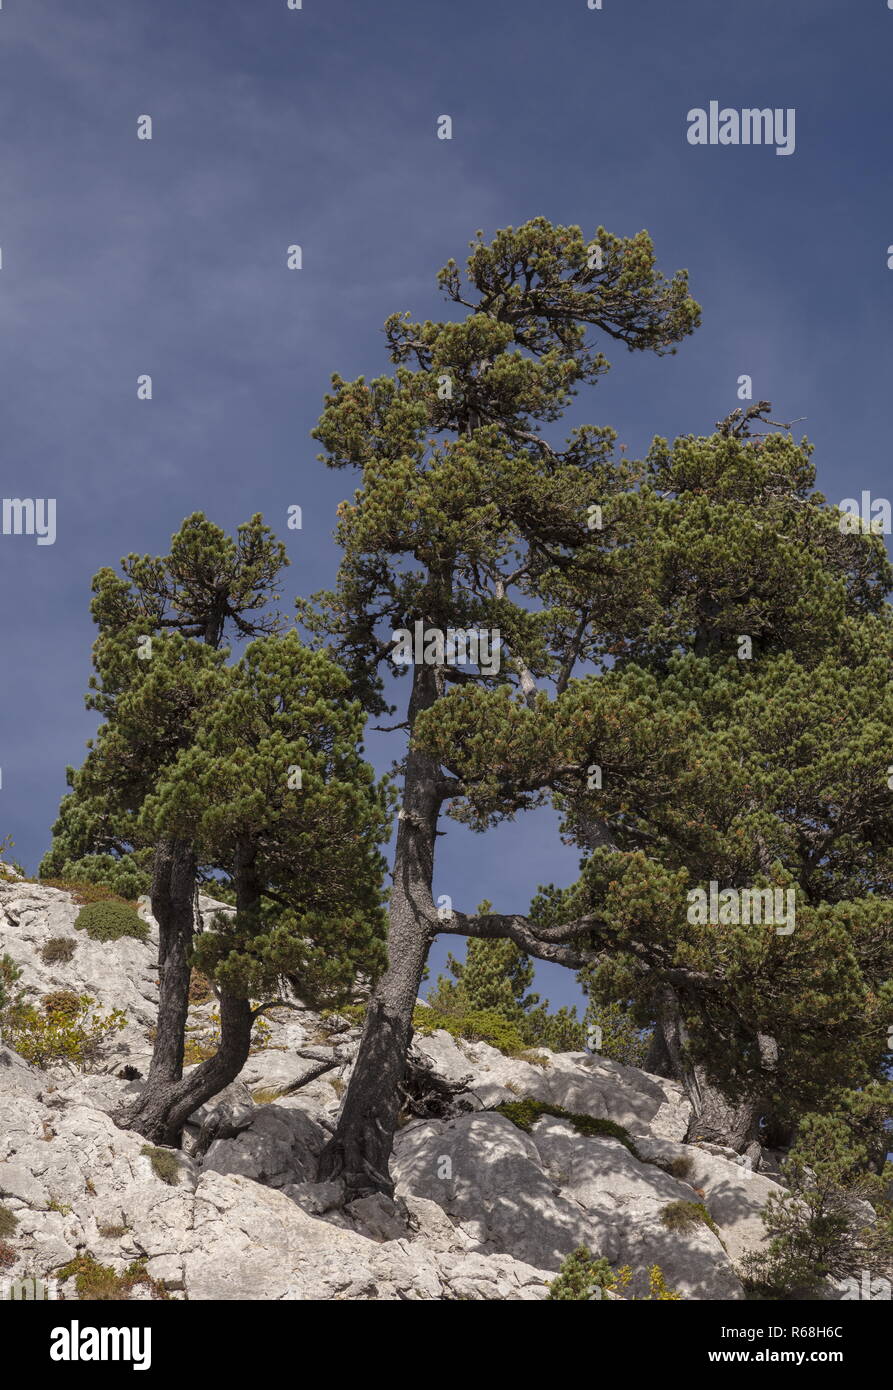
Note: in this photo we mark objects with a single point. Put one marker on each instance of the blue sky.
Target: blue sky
(318, 126)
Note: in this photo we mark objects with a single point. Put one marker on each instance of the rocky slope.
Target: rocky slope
(484, 1208)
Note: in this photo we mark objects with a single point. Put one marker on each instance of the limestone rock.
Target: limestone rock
(482, 1209)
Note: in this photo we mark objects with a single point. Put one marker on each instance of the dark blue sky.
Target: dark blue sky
(271, 126)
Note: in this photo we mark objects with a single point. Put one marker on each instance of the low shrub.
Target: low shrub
(164, 1164)
(126, 876)
(525, 1113)
(585, 1278)
(109, 920)
(479, 1025)
(65, 1030)
(197, 1050)
(10, 974)
(582, 1277)
(8, 1222)
(63, 1002)
(58, 950)
(683, 1216)
(100, 1283)
(85, 892)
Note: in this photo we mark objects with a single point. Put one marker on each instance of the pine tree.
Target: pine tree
(494, 975)
(495, 978)
(159, 663)
(751, 765)
(273, 793)
(834, 1220)
(617, 1030)
(464, 512)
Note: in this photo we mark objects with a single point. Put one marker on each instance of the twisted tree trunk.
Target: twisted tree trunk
(173, 907)
(736, 1125)
(360, 1149)
(160, 1114)
(168, 1098)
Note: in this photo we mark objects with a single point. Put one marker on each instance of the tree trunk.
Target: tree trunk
(360, 1150)
(165, 1104)
(720, 1121)
(173, 907)
(160, 1115)
(714, 1118)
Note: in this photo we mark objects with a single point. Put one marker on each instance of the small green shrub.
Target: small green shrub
(683, 1216)
(64, 1031)
(109, 920)
(8, 1221)
(164, 1164)
(582, 1277)
(100, 1283)
(63, 1002)
(10, 974)
(480, 1025)
(525, 1113)
(58, 950)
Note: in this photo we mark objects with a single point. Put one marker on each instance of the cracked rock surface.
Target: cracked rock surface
(483, 1210)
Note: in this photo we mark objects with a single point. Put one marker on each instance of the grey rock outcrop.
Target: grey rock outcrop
(482, 1209)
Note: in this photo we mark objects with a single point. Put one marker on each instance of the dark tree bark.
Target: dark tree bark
(360, 1149)
(166, 1102)
(160, 1114)
(173, 907)
(719, 1121)
(735, 1125)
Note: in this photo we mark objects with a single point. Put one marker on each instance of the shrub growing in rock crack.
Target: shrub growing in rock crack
(164, 1164)
(58, 950)
(525, 1113)
(684, 1216)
